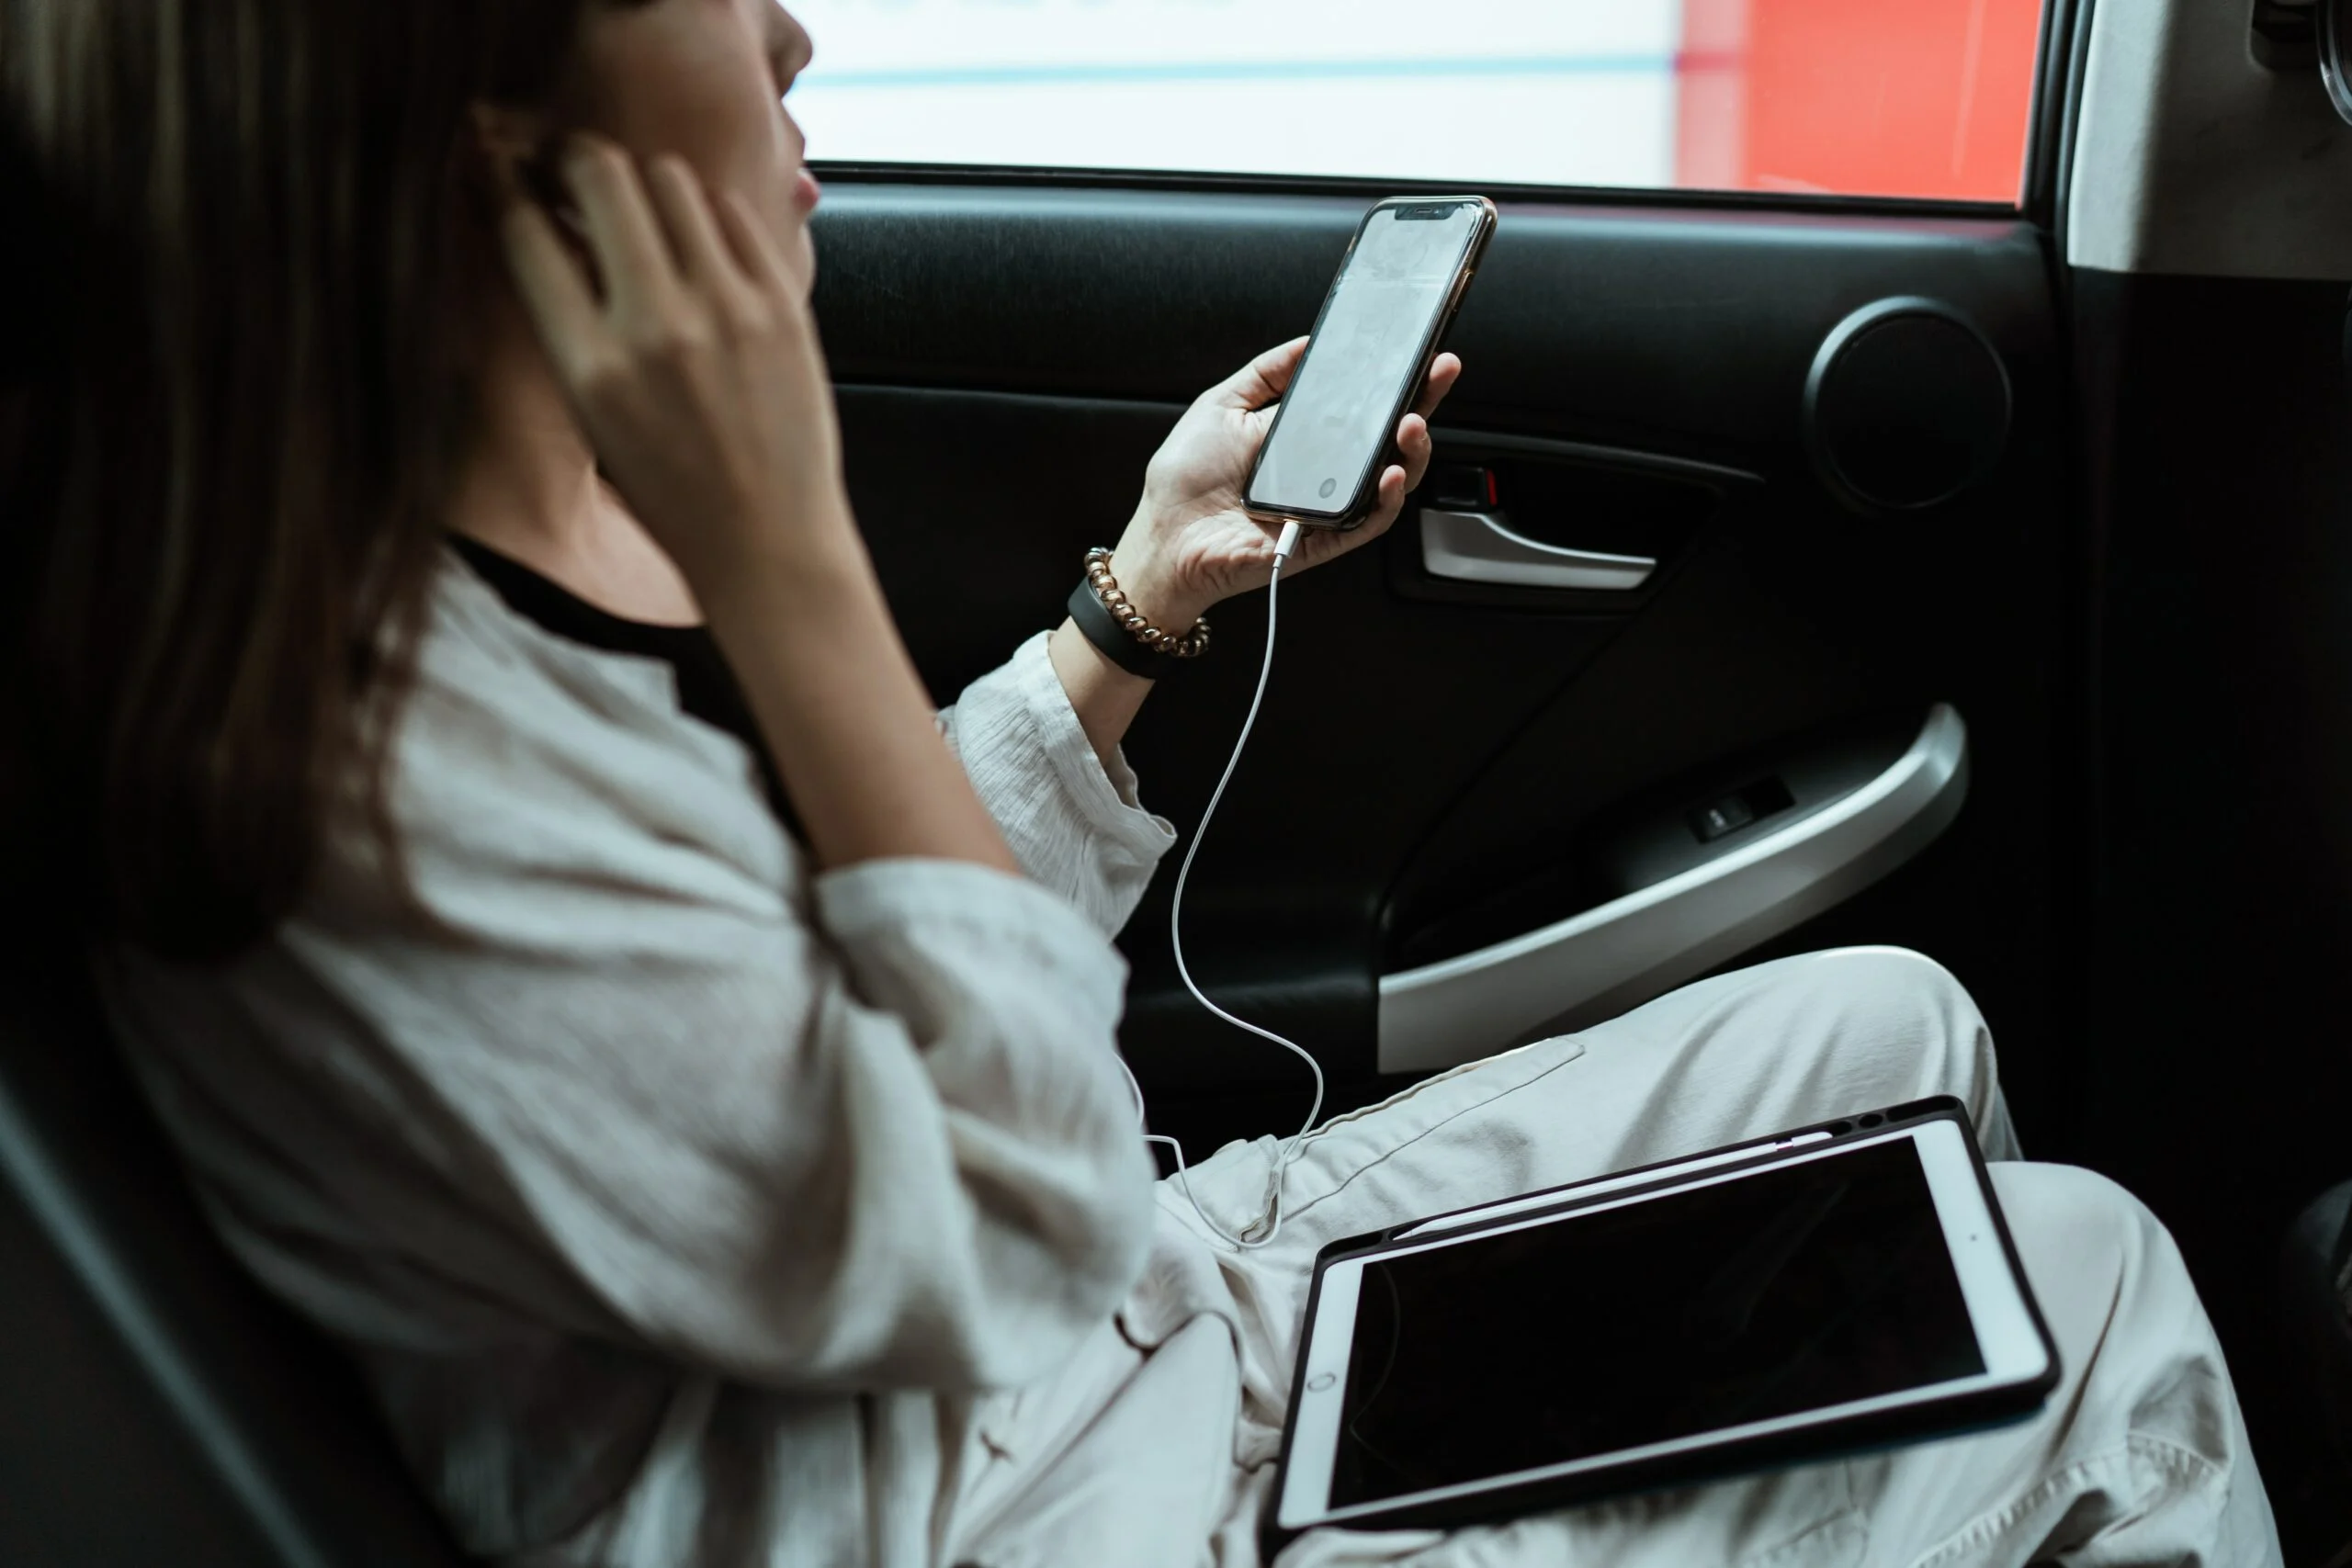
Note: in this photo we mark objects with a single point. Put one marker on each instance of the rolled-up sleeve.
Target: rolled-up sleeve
(1074, 824)
(613, 1065)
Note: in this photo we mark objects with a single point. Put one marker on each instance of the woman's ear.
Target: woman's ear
(515, 150)
(502, 131)
(510, 143)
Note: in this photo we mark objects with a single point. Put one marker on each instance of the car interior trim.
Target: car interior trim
(1477, 547)
(2190, 156)
(1232, 182)
(2065, 33)
(57, 1211)
(1606, 959)
(1595, 455)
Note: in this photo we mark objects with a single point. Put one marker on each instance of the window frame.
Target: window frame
(2065, 34)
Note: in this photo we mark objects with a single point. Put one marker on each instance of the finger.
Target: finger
(631, 255)
(553, 284)
(748, 239)
(1390, 504)
(1414, 444)
(1264, 379)
(704, 256)
(1444, 371)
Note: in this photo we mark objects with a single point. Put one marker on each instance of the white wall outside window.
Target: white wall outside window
(1547, 92)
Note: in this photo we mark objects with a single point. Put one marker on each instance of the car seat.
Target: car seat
(155, 1405)
(2318, 1279)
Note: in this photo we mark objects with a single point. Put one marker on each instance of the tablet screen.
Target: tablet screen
(1806, 1285)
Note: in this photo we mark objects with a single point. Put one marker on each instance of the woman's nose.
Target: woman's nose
(790, 49)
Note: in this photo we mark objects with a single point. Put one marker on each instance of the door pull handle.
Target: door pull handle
(1476, 546)
(1621, 953)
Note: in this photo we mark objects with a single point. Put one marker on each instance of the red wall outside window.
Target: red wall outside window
(1861, 97)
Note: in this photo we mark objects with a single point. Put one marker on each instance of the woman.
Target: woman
(694, 1187)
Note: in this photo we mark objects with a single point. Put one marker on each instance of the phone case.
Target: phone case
(1358, 505)
(1948, 1417)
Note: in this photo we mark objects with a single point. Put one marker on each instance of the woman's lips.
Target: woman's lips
(807, 192)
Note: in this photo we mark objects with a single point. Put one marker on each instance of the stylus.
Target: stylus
(1605, 1184)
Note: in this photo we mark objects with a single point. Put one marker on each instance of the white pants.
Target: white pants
(1156, 1445)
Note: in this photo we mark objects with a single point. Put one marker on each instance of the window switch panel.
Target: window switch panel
(1726, 816)
(1741, 808)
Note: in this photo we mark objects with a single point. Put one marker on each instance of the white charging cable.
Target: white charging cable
(1268, 1218)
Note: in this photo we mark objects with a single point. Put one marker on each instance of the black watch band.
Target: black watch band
(1112, 641)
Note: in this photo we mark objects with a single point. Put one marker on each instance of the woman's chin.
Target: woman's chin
(804, 255)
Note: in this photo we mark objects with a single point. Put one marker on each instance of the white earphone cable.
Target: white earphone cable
(1271, 1217)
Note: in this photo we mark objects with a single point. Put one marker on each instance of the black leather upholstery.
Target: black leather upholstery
(155, 1407)
(2319, 1315)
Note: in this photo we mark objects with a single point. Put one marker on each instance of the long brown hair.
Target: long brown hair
(227, 456)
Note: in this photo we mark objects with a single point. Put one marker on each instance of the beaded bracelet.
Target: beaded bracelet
(1126, 636)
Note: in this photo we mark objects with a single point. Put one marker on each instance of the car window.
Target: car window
(1925, 98)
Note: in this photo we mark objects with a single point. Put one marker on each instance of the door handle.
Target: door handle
(1595, 965)
(1476, 546)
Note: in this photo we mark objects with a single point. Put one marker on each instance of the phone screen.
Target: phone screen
(1796, 1289)
(1335, 418)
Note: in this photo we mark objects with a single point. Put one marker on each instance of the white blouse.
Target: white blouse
(638, 1164)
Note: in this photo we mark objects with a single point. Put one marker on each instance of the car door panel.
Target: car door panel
(1433, 748)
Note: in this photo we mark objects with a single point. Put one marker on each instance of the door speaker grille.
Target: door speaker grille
(1906, 407)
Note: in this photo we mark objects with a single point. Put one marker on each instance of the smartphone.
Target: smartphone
(1397, 292)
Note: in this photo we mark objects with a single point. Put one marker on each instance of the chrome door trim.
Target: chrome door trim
(1476, 546)
(1597, 964)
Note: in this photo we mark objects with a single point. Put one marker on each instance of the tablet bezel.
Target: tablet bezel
(2010, 1338)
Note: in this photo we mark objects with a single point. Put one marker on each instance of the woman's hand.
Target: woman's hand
(1191, 544)
(689, 356)
(690, 359)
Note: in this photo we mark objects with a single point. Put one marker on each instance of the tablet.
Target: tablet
(1778, 1300)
